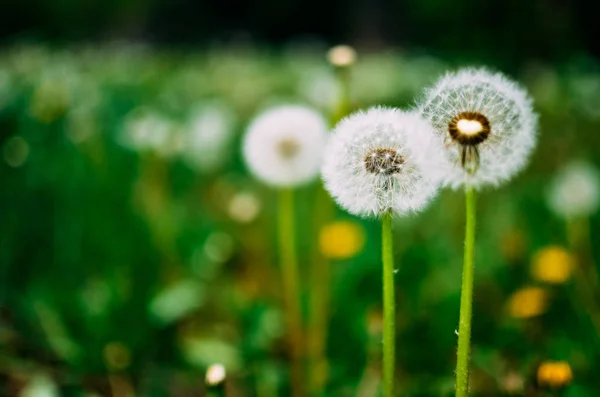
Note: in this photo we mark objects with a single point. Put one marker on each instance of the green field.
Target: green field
(136, 250)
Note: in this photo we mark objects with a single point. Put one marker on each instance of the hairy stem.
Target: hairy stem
(466, 299)
(389, 309)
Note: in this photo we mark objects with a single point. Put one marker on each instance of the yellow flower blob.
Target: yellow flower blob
(341, 239)
(528, 302)
(552, 265)
(554, 374)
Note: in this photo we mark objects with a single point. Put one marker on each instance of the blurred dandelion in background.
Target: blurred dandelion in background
(244, 207)
(209, 137)
(575, 191)
(40, 385)
(341, 56)
(283, 146)
(146, 131)
(215, 374)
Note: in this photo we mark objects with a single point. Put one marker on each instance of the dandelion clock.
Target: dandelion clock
(380, 163)
(575, 191)
(283, 148)
(574, 196)
(488, 129)
(486, 123)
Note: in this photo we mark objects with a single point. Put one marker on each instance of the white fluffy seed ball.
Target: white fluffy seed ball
(341, 55)
(208, 137)
(576, 191)
(283, 146)
(382, 159)
(486, 123)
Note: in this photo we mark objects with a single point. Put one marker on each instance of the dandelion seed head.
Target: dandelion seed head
(382, 159)
(341, 56)
(284, 146)
(215, 374)
(575, 191)
(486, 123)
(209, 133)
(146, 131)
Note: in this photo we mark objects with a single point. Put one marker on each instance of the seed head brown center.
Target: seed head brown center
(469, 128)
(288, 148)
(383, 162)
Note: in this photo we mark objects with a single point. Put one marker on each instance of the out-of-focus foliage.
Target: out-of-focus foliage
(136, 252)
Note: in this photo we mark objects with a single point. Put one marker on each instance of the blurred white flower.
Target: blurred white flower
(575, 191)
(146, 131)
(40, 386)
(341, 55)
(208, 137)
(284, 146)
(177, 300)
(382, 159)
(244, 207)
(319, 86)
(215, 374)
(486, 123)
(204, 352)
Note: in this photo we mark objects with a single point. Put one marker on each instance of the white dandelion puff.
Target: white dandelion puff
(148, 132)
(215, 374)
(209, 136)
(487, 125)
(319, 87)
(575, 191)
(284, 146)
(382, 159)
(341, 55)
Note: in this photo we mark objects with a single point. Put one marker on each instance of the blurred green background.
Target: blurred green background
(137, 254)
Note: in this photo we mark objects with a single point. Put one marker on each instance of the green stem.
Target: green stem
(466, 299)
(291, 289)
(389, 310)
(320, 280)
